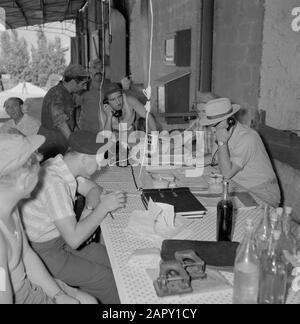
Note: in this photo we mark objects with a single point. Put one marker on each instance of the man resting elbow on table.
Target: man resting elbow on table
(241, 153)
(51, 223)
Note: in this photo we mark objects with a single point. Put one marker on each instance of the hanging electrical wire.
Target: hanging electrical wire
(148, 91)
(109, 21)
(103, 63)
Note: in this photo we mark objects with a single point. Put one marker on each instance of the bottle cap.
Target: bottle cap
(288, 210)
(274, 216)
(279, 211)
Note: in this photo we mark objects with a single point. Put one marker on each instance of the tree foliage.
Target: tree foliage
(47, 58)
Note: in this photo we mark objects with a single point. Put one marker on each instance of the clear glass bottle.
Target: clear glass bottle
(273, 273)
(274, 220)
(288, 238)
(246, 269)
(225, 215)
(288, 242)
(263, 232)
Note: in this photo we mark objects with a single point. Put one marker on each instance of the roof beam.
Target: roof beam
(8, 25)
(43, 9)
(67, 9)
(22, 11)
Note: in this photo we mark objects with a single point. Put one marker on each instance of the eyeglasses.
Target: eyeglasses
(217, 124)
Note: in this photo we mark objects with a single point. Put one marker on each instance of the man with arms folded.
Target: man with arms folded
(241, 153)
(23, 277)
(51, 224)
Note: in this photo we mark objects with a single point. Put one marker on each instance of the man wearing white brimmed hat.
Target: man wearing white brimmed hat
(241, 153)
(23, 277)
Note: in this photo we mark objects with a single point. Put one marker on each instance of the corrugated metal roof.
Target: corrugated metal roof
(20, 13)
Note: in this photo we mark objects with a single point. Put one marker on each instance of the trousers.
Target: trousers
(88, 269)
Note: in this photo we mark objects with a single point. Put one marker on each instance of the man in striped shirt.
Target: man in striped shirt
(51, 224)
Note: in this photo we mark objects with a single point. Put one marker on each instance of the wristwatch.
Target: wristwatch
(219, 143)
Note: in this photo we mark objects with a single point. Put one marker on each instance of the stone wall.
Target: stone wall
(280, 73)
(280, 80)
(238, 51)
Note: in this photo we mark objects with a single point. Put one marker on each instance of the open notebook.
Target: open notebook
(184, 202)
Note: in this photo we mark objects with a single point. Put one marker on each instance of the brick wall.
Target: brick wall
(169, 16)
(238, 51)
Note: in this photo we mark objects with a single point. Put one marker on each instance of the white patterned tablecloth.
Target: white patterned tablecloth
(134, 284)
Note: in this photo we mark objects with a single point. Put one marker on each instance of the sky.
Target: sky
(63, 30)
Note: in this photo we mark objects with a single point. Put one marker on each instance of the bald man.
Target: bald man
(21, 121)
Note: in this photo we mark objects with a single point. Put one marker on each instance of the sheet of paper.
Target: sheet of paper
(194, 173)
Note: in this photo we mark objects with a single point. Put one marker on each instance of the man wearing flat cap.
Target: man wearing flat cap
(58, 115)
(241, 153)
(51, 224)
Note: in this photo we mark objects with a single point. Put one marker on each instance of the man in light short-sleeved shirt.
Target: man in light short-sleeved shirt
(241, 153)
(53, 229)
(24, 123)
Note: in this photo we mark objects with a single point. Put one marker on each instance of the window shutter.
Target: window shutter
(183, 48)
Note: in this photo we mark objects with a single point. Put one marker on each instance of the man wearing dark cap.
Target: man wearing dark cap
(51, 224)
(58, 116)
(122, 108)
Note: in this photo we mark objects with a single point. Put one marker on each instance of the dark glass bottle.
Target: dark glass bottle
(225, 216)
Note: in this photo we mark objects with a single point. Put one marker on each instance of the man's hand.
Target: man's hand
(58, 116)
(223, 135)
(108, 111)
(113, 201)
(64, 299)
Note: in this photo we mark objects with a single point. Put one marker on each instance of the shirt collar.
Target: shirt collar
(64, 170)
(236, 132)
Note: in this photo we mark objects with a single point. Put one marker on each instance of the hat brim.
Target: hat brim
(208, 122)
(35, 142)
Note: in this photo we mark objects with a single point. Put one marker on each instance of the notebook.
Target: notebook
(184, 202)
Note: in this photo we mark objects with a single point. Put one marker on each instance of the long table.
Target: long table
(134, 284)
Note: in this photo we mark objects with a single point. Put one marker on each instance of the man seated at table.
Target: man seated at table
(23, 277)
(51, 224)
(241, 154)
(58, 110)
(122, 108)
(21, 121)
